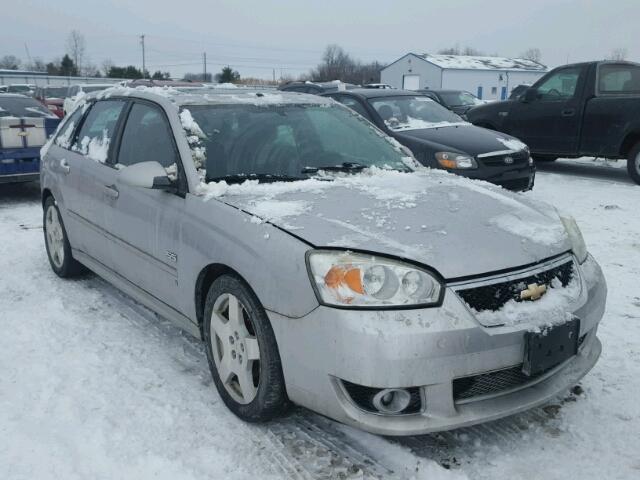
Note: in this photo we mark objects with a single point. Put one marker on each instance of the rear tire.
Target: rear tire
(57, 242)
(242, 352)
(633, 163)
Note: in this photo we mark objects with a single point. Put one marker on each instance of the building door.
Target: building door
(411, 82)
(479, 95)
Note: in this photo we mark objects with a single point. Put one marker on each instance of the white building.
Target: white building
(489, 78)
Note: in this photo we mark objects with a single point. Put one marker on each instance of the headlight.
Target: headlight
(347, 279)
(454, 160)
(575, 236)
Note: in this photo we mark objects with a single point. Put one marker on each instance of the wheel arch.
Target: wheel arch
(46, 193)
(205, 279)
(631, 140)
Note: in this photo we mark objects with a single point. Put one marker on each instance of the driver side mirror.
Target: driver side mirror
(146, 175)
(530, 95)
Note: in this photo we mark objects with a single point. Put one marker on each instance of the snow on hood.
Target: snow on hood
(420, 124)
(456, 225)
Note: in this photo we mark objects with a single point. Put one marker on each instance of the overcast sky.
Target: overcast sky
(257, 36)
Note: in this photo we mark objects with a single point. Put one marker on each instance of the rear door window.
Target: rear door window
(98, 128)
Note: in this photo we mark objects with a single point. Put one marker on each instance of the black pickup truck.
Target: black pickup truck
(585, 109)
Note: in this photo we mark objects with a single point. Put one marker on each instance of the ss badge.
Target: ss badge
(171, 256)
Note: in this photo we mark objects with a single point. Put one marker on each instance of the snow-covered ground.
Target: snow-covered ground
(92, 385)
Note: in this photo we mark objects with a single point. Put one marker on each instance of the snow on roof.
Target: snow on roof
(463, 62)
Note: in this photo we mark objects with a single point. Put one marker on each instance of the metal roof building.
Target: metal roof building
(489, 78)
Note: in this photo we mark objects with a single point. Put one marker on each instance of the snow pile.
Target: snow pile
(275, 210)
(195, 135)
(512, 144)
(473, 62)
(96, 148)
(552, 309)
(535, 227)
(419, 124)
(64, 140)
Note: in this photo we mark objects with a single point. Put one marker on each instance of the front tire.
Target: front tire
(242, 352)
(57, 242)
(633, 163)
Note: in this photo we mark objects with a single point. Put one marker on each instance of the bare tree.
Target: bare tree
(107, 64)
(339, 65)
(76, 47)
(618, 54)
(532, 54)
(456, 50)
(10, 62)
(37, 65)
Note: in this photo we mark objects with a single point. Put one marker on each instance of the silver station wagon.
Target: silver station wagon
(320, 264)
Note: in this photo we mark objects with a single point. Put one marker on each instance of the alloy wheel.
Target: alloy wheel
(235, 348)
(55, 236)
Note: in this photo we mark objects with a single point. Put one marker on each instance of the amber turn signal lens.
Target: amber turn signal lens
(447, 163)
(338, 276)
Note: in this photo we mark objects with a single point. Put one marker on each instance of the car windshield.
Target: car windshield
(413, 113)
(460, 99)
(289, 141)
(22, 107)
(55, 92)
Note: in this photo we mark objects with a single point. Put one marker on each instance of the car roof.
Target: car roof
(213, 96)
(335, 84)
(442, 90)
(382, 92)
(93, 84)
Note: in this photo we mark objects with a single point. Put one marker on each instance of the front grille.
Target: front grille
(363, 397)
(519, 158)
(495, 295)
(496, 382)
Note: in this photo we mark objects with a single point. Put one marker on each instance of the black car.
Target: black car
(458, 101)
(439, 138)
(316, 88)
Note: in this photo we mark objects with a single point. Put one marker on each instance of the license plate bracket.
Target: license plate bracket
(551, 347)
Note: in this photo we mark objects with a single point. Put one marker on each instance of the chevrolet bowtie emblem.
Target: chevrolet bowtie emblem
(533, 292)
(23, 134)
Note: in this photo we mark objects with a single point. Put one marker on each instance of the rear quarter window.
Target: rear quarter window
(619, 79)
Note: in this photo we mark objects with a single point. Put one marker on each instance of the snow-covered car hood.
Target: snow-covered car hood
(463, 137)
(458, 226)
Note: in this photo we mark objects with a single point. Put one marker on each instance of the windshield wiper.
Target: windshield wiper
(343, 167)
(261, 177)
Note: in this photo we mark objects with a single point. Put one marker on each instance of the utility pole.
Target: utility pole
(204, 64)
(143, 62)
(274, 75)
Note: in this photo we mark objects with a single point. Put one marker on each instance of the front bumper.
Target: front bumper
(428, 349)
(516, 179)
(19, 164)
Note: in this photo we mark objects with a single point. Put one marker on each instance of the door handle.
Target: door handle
(64, 166)
(111, 191)
(569, 112)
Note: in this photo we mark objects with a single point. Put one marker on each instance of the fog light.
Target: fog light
(391, 400)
